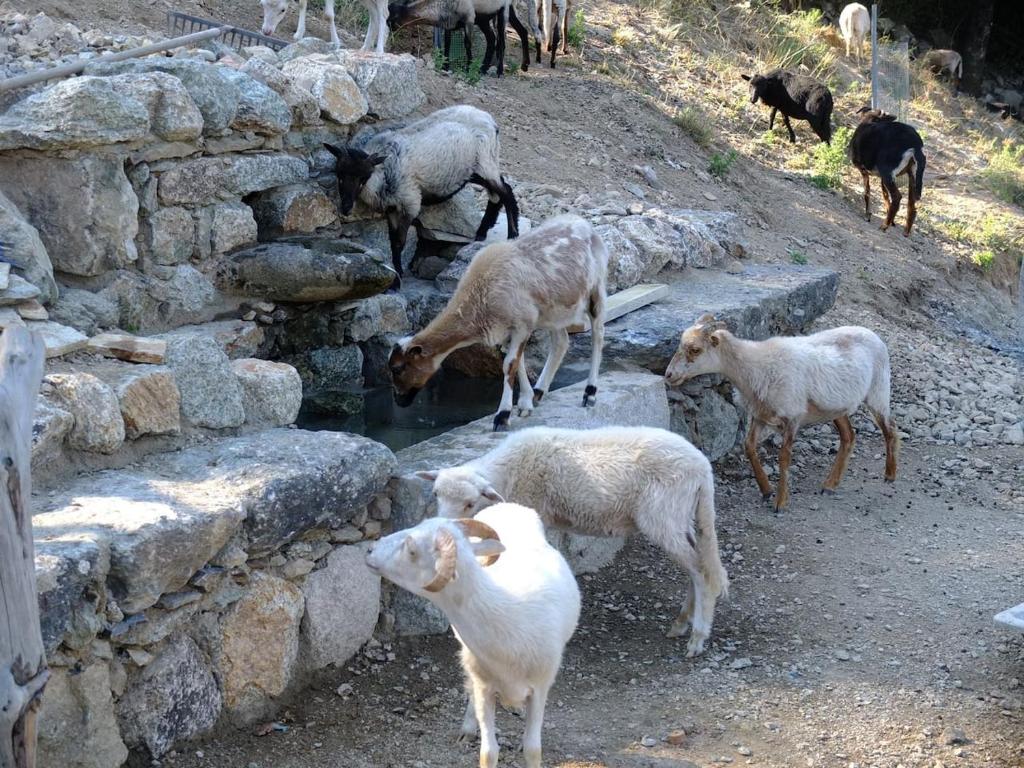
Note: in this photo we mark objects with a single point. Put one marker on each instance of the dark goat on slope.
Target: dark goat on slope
(796, 96)
(889, 148)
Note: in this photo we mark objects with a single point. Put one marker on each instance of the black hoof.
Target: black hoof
(501, 421)
(538, 395)
(828, 492)
(766, 497)
(589, 396)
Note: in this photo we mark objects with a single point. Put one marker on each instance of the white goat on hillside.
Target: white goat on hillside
(855, 25)
(274, 12)
(549, 279)
(788, 381)
(512, 613)
(611, 481)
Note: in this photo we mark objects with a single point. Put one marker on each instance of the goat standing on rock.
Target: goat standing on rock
(797, 96)
(512, 601)
(889, 148)
(549, 279)
(787, 382)
(611, 481)
(426, 162)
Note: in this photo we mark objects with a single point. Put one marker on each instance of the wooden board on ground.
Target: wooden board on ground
(1012, 618)
(624, 302)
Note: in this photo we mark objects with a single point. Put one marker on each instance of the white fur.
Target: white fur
(855, 25)
(274, 12)
(610, 481)
(512, 619)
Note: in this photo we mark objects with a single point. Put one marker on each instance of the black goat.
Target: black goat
(889, 148)
(796, 96)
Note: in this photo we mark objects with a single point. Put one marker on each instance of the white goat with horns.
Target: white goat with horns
(512, 601)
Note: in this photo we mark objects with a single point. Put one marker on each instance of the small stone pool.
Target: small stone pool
(450, 400)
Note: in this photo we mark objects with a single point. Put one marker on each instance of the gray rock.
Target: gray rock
(80, 112)
(86, 311)
(331, 377)
(50, 426)
(260, 109)
(625, 266)
(170, 235)
(147, 396)
(173, 116)
(307, 46)
(304, 108)
(449, 278)
(455, 220)
(148, 303)
(381, 315)
(259, 647)
(207, 180)
(58, 194)
(336, 93)
(232, 227)
(76, 723)
(305, 269)
(215, 96)
(271, 392)
(238, 338)
(709, 421)
(65, 569)
(211, 395)
(416, 616)
(23, 248)
(18, 291)
(342, 603)
(390, 83)
(98, 424)
(293, 208)
(175, 699)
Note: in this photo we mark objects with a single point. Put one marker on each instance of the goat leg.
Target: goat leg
(750, 448)
(785, 457)
(524, 36)
(911, 202)
(867, 195)
(789, 127)
(771, 118)
(894, 197)
(846, 439)
(501, 33)
(398, 233)
(483, 22)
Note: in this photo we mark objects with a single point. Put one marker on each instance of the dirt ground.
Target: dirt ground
(859, 630)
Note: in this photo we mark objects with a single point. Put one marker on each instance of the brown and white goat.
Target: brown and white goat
(549, 279)
(889, 148)
(789, 381)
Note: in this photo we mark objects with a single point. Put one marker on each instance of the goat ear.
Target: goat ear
(704, 319)
(716, 338)
(377, 159)
(746, 77)
(492, 495)
(338, 152)
(430, 475)
(489, 548)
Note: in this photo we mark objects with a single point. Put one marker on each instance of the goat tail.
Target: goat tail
(959, 68)
(919, 161)
(707, 539)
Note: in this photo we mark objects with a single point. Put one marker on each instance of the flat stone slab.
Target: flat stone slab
(761, 301)
(1013, 618)
(154, 525)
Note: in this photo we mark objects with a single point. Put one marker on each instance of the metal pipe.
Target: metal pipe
(874, 55)
(74, 68)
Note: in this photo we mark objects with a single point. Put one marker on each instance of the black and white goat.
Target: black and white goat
(397, 172)
(797, 96)
(889, 148)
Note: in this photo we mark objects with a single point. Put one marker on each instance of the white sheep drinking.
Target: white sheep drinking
(789, 381)
(610, 481)
(512, 602)
(549, 279)
(855, 26)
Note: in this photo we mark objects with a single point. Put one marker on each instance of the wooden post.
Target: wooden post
(23, 671)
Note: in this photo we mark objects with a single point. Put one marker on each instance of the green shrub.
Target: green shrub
(796, 257)
(830, 161)
(1005, 174)
(694, 124)
(719, 164)
(578, 29)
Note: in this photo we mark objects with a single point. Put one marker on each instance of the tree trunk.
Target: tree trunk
(23, 671)
(975, 44)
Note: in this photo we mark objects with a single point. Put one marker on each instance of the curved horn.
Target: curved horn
(704, 319)
(444, 567)
(472, 527)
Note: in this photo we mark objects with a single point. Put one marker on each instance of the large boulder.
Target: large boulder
(304, 107)
(455, 220)
(260, 109)
(50, 427)
(342, 603)
(147, 396)
(232, 226)
(704, 416)
(81, 112)
(67, 568)
(170, 235)
(336, 93)
(208, 180)
(23, 247)
(84, 208)
(271, 392)
(98, 426)
(211, 395)
(390, 83)
(173, 116)
(174, 699)
(305, 269)
(215, 96)
(84, 310)
(76, 723)
(332, 378)
(295, 208)
(150, 303)
(259, 646)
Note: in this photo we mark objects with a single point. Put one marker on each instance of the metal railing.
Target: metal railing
(236, 37)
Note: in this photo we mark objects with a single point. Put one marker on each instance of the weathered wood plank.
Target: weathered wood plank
(23, 671)
(624, 302)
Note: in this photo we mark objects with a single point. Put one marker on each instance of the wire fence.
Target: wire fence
(892, 78)
(458, 57)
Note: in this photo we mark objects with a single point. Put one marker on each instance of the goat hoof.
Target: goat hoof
(695, 647)
(501, 421)
(766, 497)
(589, 396)
(538, 395)
(890, 479)
(828, 491)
